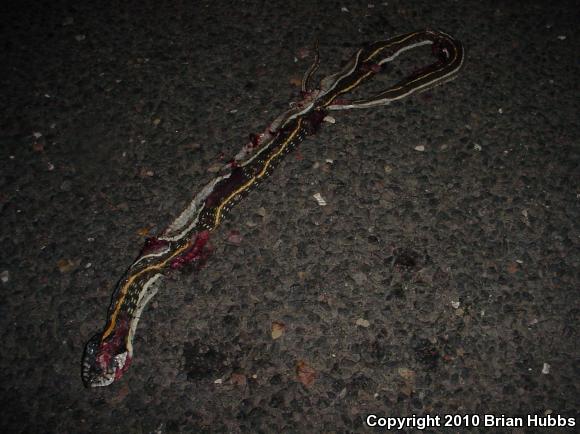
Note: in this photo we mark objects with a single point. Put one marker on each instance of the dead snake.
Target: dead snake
(108, 354)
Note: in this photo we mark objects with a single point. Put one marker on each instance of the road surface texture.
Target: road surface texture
(442, 276)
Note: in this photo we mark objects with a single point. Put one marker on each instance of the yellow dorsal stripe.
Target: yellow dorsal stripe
(259, 175)
(125, 288)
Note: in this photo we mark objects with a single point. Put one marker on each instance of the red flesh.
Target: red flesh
(194, 253)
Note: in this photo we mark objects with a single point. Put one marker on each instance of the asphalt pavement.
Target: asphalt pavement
(441, 277)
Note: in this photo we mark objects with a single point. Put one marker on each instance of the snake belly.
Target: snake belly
(109, 353)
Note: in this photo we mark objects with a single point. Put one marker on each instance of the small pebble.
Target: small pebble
(546, 369)
(319, 199)
(363, 323)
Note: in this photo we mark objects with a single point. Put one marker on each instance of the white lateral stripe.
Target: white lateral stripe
(151, 255)
(149, 289)
(410, 47)
(185, 218)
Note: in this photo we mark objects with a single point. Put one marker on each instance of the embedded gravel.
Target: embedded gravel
(442, 276)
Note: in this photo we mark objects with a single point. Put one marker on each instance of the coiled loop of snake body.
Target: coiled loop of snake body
(109, 353)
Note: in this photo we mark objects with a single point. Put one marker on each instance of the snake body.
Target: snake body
(108, 354)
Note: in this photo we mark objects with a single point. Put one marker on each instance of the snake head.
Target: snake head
(104, 361)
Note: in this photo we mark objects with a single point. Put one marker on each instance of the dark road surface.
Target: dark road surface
(442, 277)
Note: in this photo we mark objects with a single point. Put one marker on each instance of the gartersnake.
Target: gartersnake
(108, 354)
